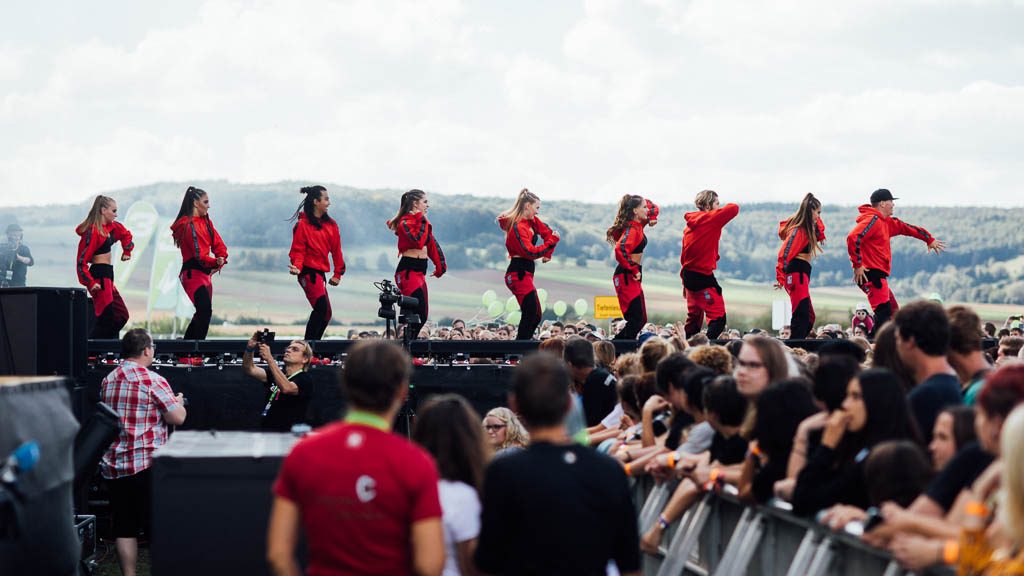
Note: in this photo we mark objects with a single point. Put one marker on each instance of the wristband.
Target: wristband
(628, 471)
(249, 350)
(950, 552)
(671, 459)
(662, 521)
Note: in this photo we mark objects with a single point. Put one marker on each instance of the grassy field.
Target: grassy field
(275, 296)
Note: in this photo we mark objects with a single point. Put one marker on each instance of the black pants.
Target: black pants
(200, 323)
(130, 504)
(531, 316)
(318, 319)
(635, 319)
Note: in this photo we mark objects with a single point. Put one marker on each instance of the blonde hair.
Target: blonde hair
(604, 354)
(706, 199)
(715, 357)
(628, 364)
(1011, 509)
(95, 217)
(307, 353)
(515, 213)
(626, 213)
(515, 433)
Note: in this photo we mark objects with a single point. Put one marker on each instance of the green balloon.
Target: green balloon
(511, 304)
(559, 308)
(495, 309)
(543, 306)
(514, 317)
(489, 296)
(542, 295)
(580, 306)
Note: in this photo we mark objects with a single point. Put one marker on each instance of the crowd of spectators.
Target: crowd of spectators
(903, 442)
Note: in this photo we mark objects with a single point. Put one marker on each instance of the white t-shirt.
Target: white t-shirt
(460, 516)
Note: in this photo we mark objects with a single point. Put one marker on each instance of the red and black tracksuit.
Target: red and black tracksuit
(111, 313)
(521, 243)
(699, 258)
(628, 288)
(795, 275)
(869, 246)
(314, 246)
(415, 232)
(197, 238)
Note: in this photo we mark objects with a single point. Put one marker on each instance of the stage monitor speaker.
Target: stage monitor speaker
(211, 502)
(43, 331)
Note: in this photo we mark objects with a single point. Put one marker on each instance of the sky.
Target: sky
(588, 100)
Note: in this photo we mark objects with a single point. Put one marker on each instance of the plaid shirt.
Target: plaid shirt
(140, 396)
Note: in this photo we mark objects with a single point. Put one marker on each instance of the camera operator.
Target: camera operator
(15, 258)
(288, 390)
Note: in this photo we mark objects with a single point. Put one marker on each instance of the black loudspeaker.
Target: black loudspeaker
(211, 502)
(43, 331)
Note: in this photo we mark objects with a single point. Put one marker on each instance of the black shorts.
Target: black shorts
(130, 504)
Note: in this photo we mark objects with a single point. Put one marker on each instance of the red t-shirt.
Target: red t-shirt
(359, 490)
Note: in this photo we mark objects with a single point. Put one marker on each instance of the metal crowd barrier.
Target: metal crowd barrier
(721, 536)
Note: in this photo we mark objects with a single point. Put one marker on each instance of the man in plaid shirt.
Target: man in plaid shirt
(146, 405)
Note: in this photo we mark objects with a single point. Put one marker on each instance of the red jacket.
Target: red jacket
(868, 242)
(91, 239)
(520, 240)
(630, 237)
(700, 239)
(415, 232)
(792, 245)
(197, 237)
(310, 246)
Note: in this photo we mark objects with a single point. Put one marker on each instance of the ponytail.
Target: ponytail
(515, 213)
(192, 194)
(313, 193)
(405, 207)
(95, 217)
(625, 215)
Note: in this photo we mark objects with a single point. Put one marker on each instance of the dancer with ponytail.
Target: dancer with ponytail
(801, 235)
(416, 243)
(522, 228)
(95, 271)
(627, 235)
(699, 259)
(316, 237)
(195, 235)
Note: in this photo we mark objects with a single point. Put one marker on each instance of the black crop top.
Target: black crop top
(640, 247)
(105, 247)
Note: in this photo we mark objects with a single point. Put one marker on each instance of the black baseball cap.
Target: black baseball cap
(12, 228)
(881, 195)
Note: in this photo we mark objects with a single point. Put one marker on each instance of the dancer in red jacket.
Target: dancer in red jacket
(522, 229)
(627, 235)
(801, 235)
(98, 234)
(416, 243)
(871, 253)
(195, 235)
(699, 259)
(316, 237)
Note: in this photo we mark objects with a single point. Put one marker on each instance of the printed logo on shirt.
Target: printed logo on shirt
(569, 458)
(366, 488)
(355, 440)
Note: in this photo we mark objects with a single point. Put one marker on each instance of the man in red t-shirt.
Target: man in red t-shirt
(366, 498)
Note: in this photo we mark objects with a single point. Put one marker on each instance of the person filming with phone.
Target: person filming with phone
(289, 389)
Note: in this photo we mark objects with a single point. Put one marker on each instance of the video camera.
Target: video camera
(265, 337)
(389, 297)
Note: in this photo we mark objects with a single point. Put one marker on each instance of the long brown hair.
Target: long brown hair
(95, 217)
(450, 430)
(408, 199)
(515, 213)
(804, 220)
(627, 205)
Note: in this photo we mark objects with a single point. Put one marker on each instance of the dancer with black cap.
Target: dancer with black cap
(871, 254)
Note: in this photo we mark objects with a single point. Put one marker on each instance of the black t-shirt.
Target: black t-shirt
(286, 410)
(600, 395)
(680, 422)
(960, 472)
(930, 397)
(17, 269)
(557, 509)
(730, 450)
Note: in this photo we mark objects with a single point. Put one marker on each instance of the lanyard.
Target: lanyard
(367, 419)
(275, 391)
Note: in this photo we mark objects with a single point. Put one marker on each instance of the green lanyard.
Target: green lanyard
(277, 391)
(367, 419)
